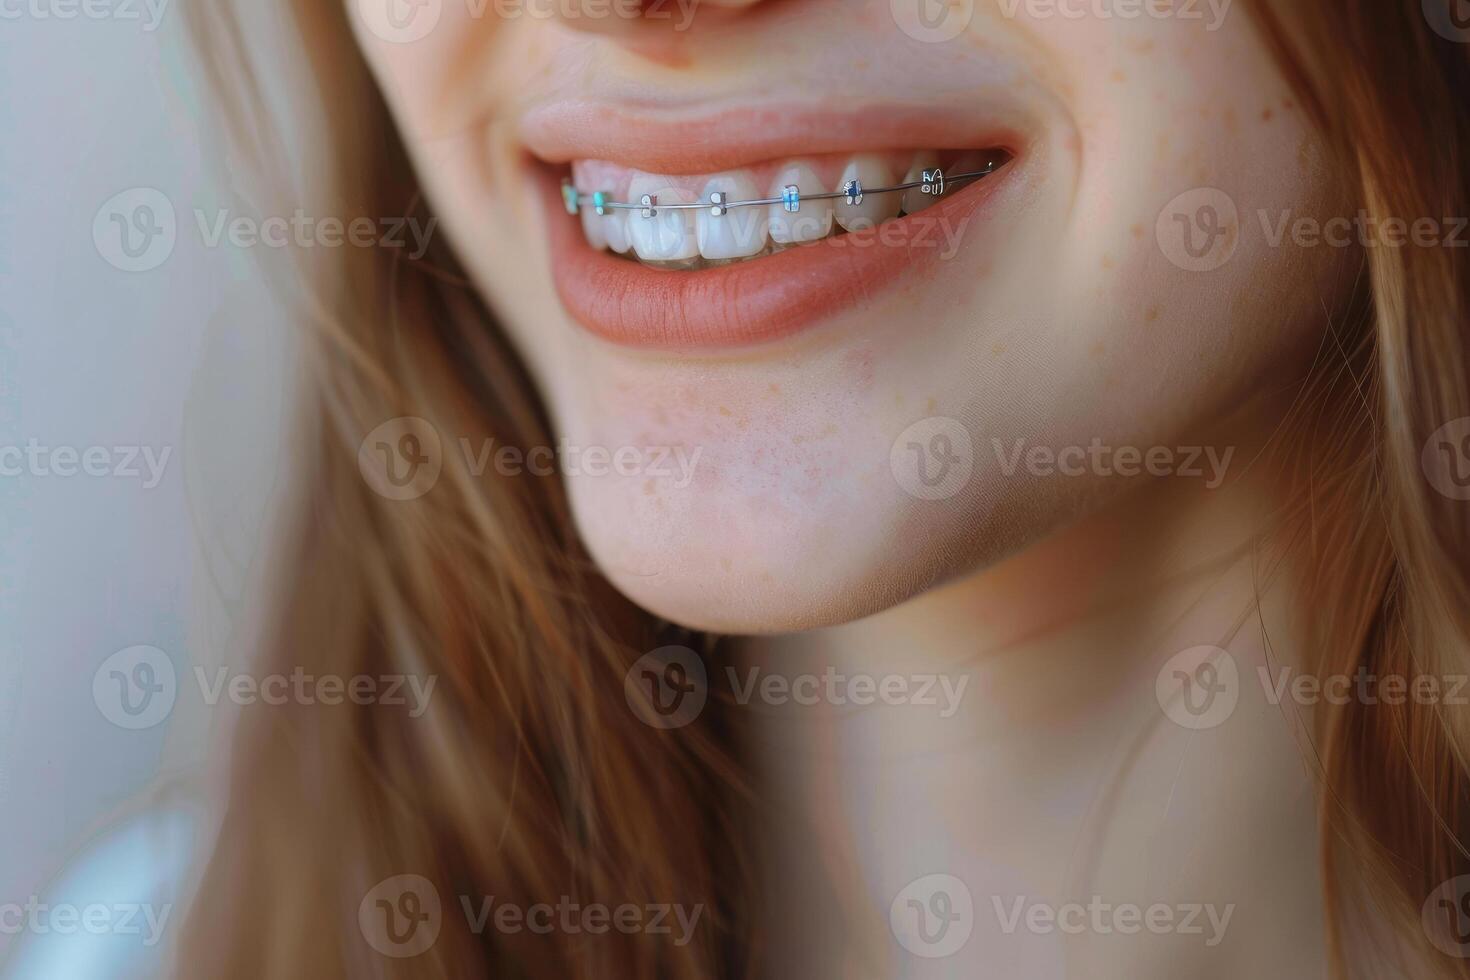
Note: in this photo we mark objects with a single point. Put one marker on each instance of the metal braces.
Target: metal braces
(934, 182)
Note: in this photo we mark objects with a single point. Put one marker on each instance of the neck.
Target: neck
(1021, 747)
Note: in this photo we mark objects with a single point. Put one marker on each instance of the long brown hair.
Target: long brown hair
(1381, 552)
(529, 778)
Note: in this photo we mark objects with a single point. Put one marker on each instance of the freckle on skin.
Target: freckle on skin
(1137, 231)
(1107, 262)
(1151, 315)
(997, 348)
(1118, 76)
(1267, 114)
(648, 488)
(931, 406)
(1231, 122)
(724, 410)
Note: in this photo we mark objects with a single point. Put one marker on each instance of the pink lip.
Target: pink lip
(751, 302)
(775, 296)
(704, 142)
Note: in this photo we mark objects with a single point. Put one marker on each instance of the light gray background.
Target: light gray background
(191, 356)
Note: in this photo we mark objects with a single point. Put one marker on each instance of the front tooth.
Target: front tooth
(615, 228)
(739, 232)
(872, 172)
(669, 234)
(914, 199)
(812, 222)
(594, 226)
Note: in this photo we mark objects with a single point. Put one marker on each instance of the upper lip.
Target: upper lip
(687, 142)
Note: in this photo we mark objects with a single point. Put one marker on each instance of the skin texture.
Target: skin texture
(1062, 322)
(1069, 316)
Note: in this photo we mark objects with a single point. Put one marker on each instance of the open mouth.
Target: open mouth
(776, 218)
(702, 222)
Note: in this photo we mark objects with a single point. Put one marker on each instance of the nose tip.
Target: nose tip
(643, 17)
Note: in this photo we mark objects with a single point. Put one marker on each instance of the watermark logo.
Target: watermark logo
(933, 459)
(667, 687)
(1446, 917)
(933, 21)
(933, 916)
(135, 688)
(1199, 230)
(1445, 459)
(402, 458)
(1199, 688)
(136, 230)
(400, 917)
(400, 21)
(1450, 19)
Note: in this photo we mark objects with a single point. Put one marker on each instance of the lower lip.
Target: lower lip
(754, 302)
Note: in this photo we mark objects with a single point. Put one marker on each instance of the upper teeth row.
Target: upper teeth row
(729, 220)
(929, 182)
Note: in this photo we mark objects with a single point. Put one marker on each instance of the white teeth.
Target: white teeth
(700, 235)
(595, 227)
(871, 171)
(914, 199)
(669, 234)
(812, 222)
(739, 232)
(615, 227)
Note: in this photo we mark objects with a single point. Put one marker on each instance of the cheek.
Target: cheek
(1190, 145)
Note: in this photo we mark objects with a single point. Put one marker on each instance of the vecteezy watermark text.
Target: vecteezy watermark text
(1184, 10)
(306, 231)
(300, 687)
(39, 460)
(96, 919)
(1099, 459)
(1103, 918)
(403, 458)
(839, 689)
(1364, 230)
(148, 12)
